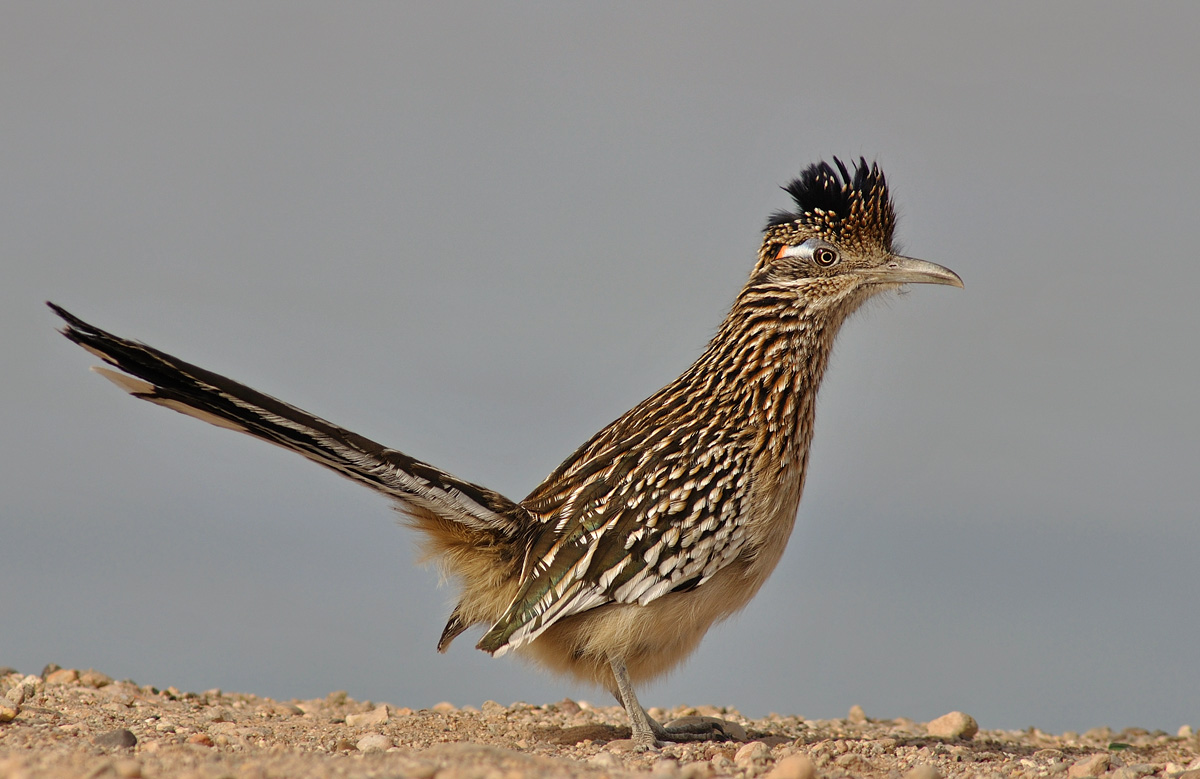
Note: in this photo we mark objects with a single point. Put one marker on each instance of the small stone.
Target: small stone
(116, 738)
(622, 746)
(1092, 765)
(376, 742)
(373, 718)
(16, 694)
(607, 761)
(1185, 731)
(756, 752)
(165, 726)
(202, 739)
(696, 770)
(569, 707)
(857, 715)
(665, 769)
(8, 710)
(93, 678)
(344, 745)
(445, 707)
(63, 676)
(953, 725)
(923, 771)
(491, 708)
(794, 767)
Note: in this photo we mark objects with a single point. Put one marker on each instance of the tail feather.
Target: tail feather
(430, 496)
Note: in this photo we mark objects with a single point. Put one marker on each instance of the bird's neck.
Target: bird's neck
(769, 357)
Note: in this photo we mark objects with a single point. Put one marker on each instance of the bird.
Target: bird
(663, 523)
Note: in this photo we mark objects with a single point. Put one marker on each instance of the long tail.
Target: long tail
(438, 502)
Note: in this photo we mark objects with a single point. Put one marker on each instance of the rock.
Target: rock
(857, 715)
(200, 738)
(376, 742)
(373, 718)
(63, 676)
(1185, 731)
(1092, 765)
(622, 745)
(8, 710)
(116, 738)
(344, 745)
(749, 755)
(93, 678)
(953, 725)
(923, 771)
(667, 768)
(607, 761)
(794, 767)
(696, 770)
(1136, 771)
(445, 707)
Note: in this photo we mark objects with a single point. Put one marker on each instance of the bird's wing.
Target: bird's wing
(160, 378)
(649, 521)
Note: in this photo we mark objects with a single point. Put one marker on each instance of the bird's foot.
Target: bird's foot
(692, 729)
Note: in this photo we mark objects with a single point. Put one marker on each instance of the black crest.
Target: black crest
(847, 205)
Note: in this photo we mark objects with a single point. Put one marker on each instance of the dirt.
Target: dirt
(82, 723)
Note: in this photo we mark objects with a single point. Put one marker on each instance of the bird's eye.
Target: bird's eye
(824, 256)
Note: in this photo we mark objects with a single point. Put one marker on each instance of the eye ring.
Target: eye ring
(824, 256)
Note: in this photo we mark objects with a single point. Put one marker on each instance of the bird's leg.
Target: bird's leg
(646, 732)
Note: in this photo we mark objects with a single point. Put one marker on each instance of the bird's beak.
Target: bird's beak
(907, 270)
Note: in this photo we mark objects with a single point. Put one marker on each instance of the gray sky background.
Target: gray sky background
(478, 232)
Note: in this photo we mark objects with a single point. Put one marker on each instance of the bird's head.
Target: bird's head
(836, 248)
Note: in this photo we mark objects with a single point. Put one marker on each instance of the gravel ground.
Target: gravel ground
(82, 723)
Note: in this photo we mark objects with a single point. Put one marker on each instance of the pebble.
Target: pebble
(622, 745)
(923, 771)
(696, 770)
(607, 761)
(116, 738)
(63, 676)
(8, 710)
(857, 715)
(794, 767)
(953, 725)
(756, 752)
(202, 739)
(445, 707)
(665, 769)
(1185, 731)
(93, 678)
(377, 716)
(1092, 765)
(376, 742)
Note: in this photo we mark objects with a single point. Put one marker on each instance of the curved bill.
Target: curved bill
(908, 270)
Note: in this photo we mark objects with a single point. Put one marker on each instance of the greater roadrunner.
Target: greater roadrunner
(663, 523)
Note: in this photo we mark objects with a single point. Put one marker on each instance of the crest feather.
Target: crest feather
(843, 205)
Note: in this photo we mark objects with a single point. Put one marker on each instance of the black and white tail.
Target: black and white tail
(422, 491)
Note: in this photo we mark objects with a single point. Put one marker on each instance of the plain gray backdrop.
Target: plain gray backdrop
(478, 232)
